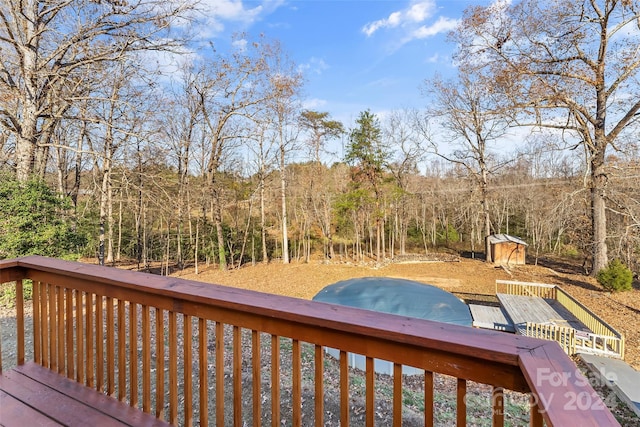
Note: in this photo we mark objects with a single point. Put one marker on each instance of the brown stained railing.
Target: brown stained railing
(207, 322)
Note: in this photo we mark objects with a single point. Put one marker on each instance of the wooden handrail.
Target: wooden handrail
(501, 360)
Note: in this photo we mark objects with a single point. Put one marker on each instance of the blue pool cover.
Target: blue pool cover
(398, 296)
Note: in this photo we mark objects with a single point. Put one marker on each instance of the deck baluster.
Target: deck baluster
(219, 374)
(146, 359)
(133, 354)
(19, 322)
(461, 403)
(160, 352)
(319, 386)
(428, 399)
(99, 343)
(370, 390)
(344, 389)
(296, 368)
(187, 365)
(89, 344)
(173, 369)
(275, 381)
(203, 371)
(397, 395)
(237, 377)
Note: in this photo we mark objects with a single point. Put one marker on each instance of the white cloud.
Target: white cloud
(241, 45)
(232, 10)
(314, 103)
(442, 25)
(416, 13)
(314, 66)
(168, 64)
(381, 83)
(414, 22)
(215, 14)
(372, 27)
(434, 59)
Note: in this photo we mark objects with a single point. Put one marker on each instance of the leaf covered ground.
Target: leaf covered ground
(464, 277)
(467, 278)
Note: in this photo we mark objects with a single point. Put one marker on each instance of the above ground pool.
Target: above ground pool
(395, 296)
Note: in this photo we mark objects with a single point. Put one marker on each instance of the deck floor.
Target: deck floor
(489, 317)
(522, 309)
(31, 395)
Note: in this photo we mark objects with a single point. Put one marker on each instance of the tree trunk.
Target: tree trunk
(378, 239)
(119, 245)
(246, 233)
(77, 170)
(327, 224)
(485, 212)
(25, 145)
(197, 242)
(103, 211)
(61, 168)
(222, 257)
(598, 214)
(110, 220)
(27, 136)
(263, 231)
(41, 153)
(283, 197)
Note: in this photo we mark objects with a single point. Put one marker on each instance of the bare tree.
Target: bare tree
(569, 66)
(399, 132)
(263, 150)
(49, 46)
(285, 83)
(181, 116)
(116, 118)
(230, 92)
(469, 119)
(321, 129)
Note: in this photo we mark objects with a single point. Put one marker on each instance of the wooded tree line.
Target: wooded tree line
(220, 163)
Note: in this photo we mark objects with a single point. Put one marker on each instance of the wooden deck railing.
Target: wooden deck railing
(530, 289)
(563, 335)
(614, 340)
(603, 338)
(573, 341)
(209, 354)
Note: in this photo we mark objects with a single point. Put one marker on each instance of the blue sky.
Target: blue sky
(356, 54)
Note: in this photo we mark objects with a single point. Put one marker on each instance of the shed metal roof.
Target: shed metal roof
(505, 238)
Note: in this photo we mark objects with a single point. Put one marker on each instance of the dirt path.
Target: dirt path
(622, 310)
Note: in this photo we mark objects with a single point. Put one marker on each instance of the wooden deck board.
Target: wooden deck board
(49, 399)
(568, 316)
(489, 317)
(522, 309)
(15, 413)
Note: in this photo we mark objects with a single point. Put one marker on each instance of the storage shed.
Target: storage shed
(506, 250)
